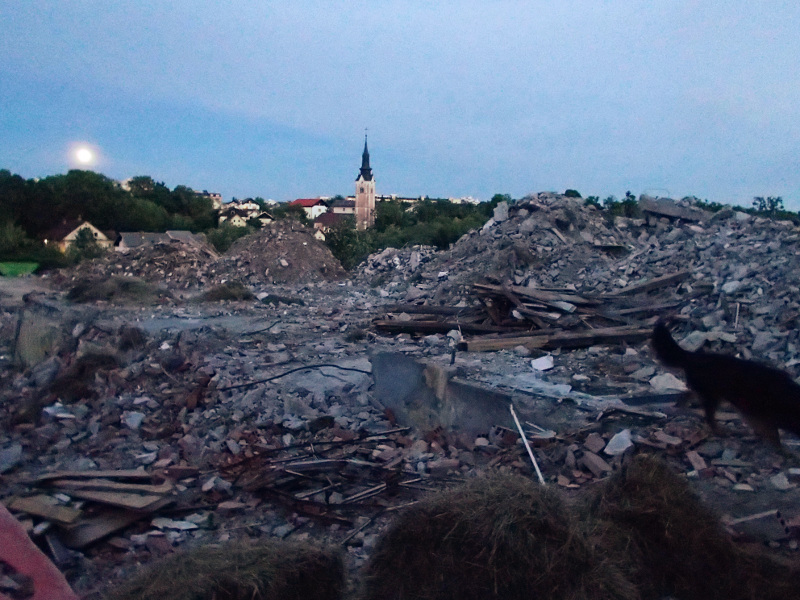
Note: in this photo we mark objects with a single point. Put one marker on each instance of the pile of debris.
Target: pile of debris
(281, 252)
(174, 264)
(393, 266)
(724, 271)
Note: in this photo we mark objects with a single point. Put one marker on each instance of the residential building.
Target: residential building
(64, 235)
(236, 217)
(342, 206)
(128, 240)
(265, 218)
(238, 212)
(313, 207)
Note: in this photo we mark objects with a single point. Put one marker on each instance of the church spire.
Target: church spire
(366, 171)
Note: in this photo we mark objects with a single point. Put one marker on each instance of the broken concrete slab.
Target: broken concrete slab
(667, 207)
(426, 396)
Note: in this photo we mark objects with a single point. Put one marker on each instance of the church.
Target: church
(365, 193)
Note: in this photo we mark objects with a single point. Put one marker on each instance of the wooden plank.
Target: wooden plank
(654, 284)
(394, 326)
(42, 506)
(540, 295)
(606, 335)
(412, 309)
(86, 532)
(488, 345)
(120, 474)
(110, 486)
(121, 499)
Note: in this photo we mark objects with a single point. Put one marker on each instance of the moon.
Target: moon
(84, 156)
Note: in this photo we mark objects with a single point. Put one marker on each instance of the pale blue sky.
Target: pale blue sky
(261, 98)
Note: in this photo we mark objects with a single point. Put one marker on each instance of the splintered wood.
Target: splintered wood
(508, 316)
(116, 499)
(331, 480)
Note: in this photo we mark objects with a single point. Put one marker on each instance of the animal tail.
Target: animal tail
(666, 348)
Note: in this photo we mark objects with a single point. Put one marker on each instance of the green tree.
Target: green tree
(222, 237)
(593, 201)
(347, 244)
(391, 213)
(13, 241)
(769, 205)
(290, 211)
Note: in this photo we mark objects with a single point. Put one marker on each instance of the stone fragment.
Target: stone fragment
(781, 482)
(594, 442)
(595, 464)
(619, 443)
(501, 212)
(543, 363)
(10, 457)
(667, 382)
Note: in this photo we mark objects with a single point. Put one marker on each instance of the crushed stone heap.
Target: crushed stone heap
(175, 265)
(282, 252)
(745, 270)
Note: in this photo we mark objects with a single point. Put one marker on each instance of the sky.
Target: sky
(459, 98)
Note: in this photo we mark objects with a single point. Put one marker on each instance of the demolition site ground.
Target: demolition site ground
(170, 399)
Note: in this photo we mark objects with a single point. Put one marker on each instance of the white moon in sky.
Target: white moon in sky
(84, 156)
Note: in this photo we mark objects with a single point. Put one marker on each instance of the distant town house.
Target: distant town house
(236, 217)
(248, 205)
(128, 240)
(324, 223)
(314, 207)
(238, 212)
(63, 236)
(342, 206)
(265, 218)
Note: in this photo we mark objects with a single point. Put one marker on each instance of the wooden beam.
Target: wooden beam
(394, 326)
(540, 295)
(43, 506)
(120, 474)
(110, 486)
(653, 284)
(606, 335)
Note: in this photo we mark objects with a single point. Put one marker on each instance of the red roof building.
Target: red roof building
(314, 207)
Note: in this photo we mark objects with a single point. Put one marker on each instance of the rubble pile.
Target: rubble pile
(281, 252)
(742, 272)
(393, 266)
(174, 264)
(128, 432)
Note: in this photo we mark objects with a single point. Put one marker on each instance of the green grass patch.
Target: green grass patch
(15, 269)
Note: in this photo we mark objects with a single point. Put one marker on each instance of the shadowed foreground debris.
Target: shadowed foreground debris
(676, 545)
(277, 570)
(231, 290)
(495, 537)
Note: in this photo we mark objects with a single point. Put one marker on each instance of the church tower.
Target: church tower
(365, 193)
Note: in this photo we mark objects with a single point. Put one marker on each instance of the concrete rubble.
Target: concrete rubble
(131, 430)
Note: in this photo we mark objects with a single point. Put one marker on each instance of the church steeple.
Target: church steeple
(365, 192)
(366, 171)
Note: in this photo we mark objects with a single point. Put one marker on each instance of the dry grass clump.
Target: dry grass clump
(114, 289)
(675, 545)
(495, 537)
(239, 571)
(231, 290)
